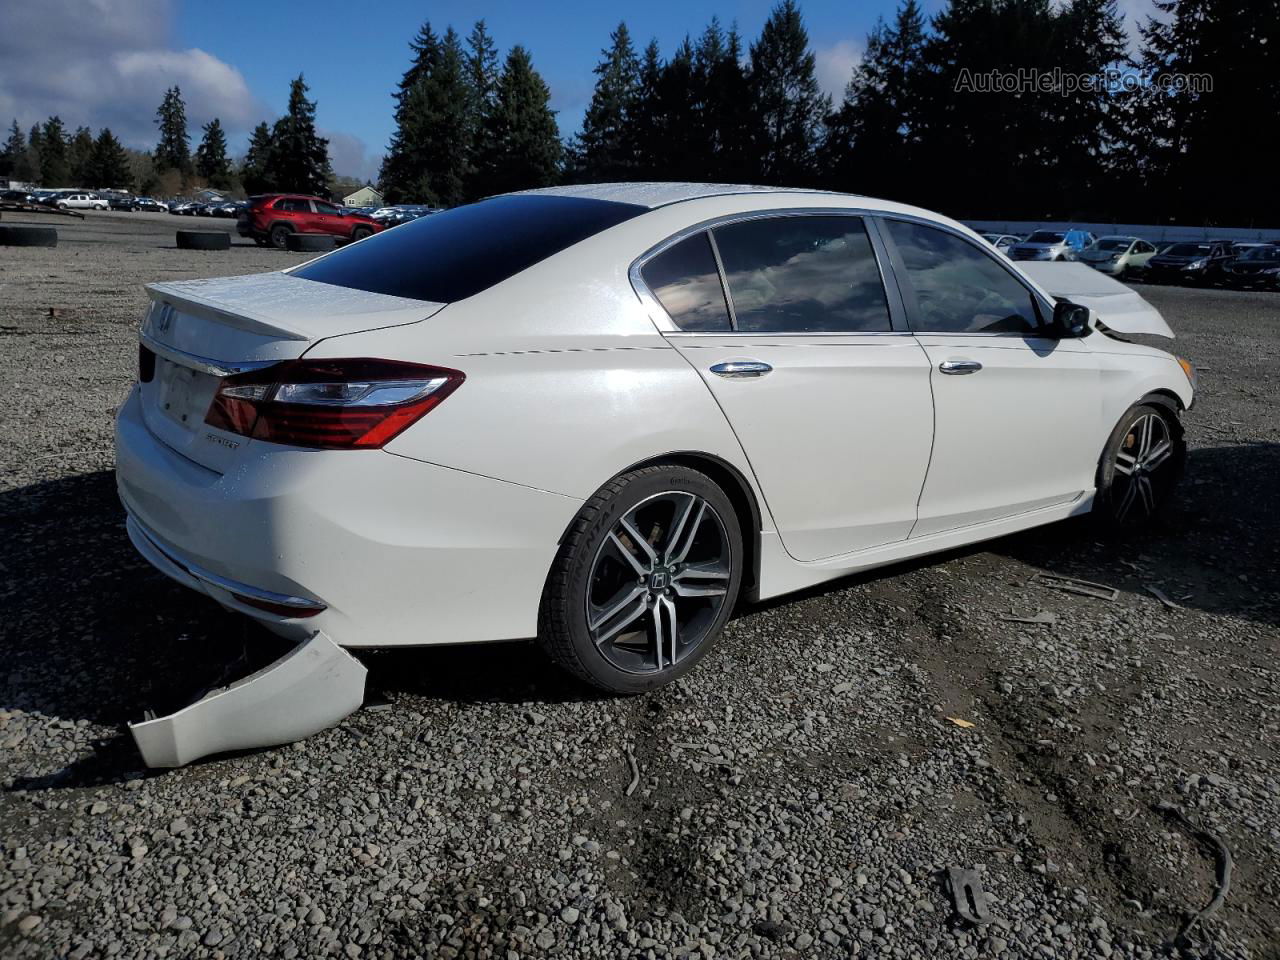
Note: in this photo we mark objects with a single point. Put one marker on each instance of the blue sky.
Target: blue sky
(234, 59)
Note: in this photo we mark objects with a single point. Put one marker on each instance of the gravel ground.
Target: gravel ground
(800, 795)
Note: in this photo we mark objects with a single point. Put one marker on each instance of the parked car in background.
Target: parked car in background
(1118, 255)
(183, 208)
(458, 430)
(402, 213)
(149, 205)
(120, 202)
(47, 198)
(1190, 262)
(1001, 241)
(1259, 266)
(229, 208)
(81, 201)
(18, 196)
(270, 218)
(1051, 245)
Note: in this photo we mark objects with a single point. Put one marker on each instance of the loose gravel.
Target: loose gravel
(801, 794)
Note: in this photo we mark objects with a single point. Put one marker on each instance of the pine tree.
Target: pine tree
(645, 123)
(402, 168)
(730, 115)
(524, 140)
(15, 149)
(1187, 140)
(55, 170)
(35, 147)
(253, 170)
(298, 160)
(80, 158)
(482, 89)
(110, 163)
(173, 152)
(789, 107)
(211, 156)
(872, 142)
(604, 146)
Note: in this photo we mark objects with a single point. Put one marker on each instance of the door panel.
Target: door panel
(838, 431)
(1015, 435)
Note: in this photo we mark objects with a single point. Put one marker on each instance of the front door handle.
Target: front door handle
(959, 367)
(741, 369)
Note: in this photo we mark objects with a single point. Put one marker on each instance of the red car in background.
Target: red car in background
(271, 217)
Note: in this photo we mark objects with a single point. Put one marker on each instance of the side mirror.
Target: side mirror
(1070, 321)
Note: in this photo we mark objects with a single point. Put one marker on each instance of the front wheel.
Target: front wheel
(1140, 468)
(644, 581)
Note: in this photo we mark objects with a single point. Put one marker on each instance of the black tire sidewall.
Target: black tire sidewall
(278, 231)
(582, 547)
(1102, 503)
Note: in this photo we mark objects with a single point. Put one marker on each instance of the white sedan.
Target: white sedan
(601, 415)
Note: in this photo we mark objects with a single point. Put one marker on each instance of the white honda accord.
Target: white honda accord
(600, 415)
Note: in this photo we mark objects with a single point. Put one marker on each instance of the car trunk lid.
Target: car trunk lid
(199, 331)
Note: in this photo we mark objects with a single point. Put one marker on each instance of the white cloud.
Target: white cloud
(834, 66)
(350, 157)
(108, 63)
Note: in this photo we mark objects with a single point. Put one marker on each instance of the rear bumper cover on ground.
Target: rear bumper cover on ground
(310, 688)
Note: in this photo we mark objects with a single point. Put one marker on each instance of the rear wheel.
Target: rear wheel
(359, 233)
(279, 236)
(1140, 468)
(645, 580)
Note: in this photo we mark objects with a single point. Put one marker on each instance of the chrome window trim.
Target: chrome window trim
(668, 327)
(1004, 263)
(217, 368)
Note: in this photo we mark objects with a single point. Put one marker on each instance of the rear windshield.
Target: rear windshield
(453, 255)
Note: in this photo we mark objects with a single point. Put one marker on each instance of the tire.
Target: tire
(601, 567)
(63, 206)
(310, 242)
(359, 233)
(1122, 503)
(203, 240)
(28, 237)
(279, 235)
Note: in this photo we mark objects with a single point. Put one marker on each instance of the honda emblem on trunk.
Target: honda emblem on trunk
(164, 319)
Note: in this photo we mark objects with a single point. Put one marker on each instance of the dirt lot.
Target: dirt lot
(801, 794)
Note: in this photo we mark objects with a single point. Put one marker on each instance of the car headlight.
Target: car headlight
(1196, 265)
(1270, 271)
(1192, 377)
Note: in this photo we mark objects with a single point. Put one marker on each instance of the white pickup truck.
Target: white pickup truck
(81, 201)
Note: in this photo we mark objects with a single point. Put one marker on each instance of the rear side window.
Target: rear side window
(802, 274)
(959, 288)
(686, 281)
(293, 205)
(458, 253)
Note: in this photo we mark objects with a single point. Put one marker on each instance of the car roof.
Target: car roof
(660, 194)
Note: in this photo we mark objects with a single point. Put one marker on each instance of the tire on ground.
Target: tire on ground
(1108, 481)
(12, 236)
(310, 242)
(203, 240)
(562, 626)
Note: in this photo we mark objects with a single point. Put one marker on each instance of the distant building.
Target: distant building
(366, 196)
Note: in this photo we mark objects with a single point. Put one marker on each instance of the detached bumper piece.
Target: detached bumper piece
(310, 688)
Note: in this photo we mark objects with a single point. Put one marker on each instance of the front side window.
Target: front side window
(959, 288)
(803, 274)
(686, 281)
(322, 207)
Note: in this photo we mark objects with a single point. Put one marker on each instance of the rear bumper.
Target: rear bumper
(396, 551)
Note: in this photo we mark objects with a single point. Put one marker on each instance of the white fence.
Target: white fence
(1147, 231)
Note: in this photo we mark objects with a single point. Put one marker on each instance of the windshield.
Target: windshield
(1262, 253)
(1113, 244)
(455, 254)
(1188, 249)
(1045, 236)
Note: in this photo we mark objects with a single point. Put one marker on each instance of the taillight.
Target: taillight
(330, 404)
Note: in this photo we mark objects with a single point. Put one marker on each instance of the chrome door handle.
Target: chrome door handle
(959, 367)
(741, 369)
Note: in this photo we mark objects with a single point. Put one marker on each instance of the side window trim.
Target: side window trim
(724, 281)
(668, 327)
(1042, 308)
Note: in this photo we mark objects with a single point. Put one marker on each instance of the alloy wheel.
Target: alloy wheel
(658, 582)
(1143, 461)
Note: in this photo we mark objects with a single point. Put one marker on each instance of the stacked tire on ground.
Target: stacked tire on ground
(204, 240)
(14, 236)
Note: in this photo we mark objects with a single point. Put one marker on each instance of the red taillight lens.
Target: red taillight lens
(330, 404)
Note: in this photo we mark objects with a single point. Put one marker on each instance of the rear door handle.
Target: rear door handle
(741, 369)
(959, 367)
